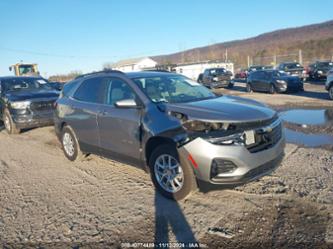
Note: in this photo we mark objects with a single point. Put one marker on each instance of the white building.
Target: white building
(136, 64)
(192, 70)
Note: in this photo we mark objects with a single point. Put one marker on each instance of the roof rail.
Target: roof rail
(156, 70)
(98, 72)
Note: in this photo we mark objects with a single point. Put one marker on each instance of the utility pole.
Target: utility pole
(226, 55)
(274, 60)
(300, 56)
(248, 61)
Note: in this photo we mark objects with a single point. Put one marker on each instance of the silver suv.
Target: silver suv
(173, 127)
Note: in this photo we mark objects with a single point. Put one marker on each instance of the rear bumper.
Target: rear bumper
(217, 84)
(249, 166)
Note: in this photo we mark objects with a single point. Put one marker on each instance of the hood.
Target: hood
(289, 79)
(22, 95)
(224, 109)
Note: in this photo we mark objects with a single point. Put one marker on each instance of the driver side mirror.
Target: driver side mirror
(126, 103)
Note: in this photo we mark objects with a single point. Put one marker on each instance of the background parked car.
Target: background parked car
(217, 77)
(273, 81)
(26, 102)
(293, 69)
(56, 85)
(329, 83)
(241, 74)
(319, 69)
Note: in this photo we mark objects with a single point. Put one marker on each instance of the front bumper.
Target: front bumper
(249, 166)
(25, 120)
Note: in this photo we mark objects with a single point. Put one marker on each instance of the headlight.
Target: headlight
(320, 72)
(281, 81)
(20, 104)
(216, 79)
(194, 125)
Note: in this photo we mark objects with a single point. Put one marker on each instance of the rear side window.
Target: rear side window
(91, 90)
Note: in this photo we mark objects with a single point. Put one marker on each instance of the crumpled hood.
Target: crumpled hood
(224, 109)
(22, 95)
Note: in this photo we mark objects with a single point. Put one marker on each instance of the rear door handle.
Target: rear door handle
(103, 112)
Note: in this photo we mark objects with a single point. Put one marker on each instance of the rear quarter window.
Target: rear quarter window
(69, 88)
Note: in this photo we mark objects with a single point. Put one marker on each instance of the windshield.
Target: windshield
(292, 66)
(17, 84)
(325, 65)
(217, 71)
(173, 89)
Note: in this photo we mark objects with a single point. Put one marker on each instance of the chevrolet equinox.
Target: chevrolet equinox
(173, 127)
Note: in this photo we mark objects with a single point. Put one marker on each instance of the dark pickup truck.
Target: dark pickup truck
(26, 102)
(217, 77)
(293, 69)
(319, 70)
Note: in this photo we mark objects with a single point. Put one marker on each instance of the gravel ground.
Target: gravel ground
(47, 201)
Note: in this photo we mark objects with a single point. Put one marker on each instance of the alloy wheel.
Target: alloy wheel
(68, 144)
(7, 123)
(169, 174)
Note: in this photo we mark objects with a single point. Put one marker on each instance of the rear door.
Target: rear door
(119, 128)
(85, 106)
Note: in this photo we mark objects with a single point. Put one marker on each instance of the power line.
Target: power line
(72, 56)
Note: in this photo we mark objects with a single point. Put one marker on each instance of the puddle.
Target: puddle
(308, 117)
(308, 127)
(308, 140)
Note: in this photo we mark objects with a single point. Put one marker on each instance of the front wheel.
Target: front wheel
(330, 92)
(171, 179)
(230, 85)
(272, 89)
(9, 123)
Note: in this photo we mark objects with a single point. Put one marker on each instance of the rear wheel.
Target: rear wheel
(9, 123)
(272, 89)
(70, 144)
(248, 88)
(330, 92)
(230, 85)
(171, 179)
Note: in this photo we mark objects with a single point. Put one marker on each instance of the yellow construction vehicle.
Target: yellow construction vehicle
(24, 69)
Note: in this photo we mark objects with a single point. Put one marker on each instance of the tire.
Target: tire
(249, 88)
(330, 92)
(230, 85)
(9, 123)
(187, 182)
(70, 144)
(272, 89)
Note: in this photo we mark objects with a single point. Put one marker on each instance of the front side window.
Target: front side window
(19, 84)
(173, 89)
(117, 90)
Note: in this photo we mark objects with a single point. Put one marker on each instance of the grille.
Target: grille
(266, 139)
(42, 105)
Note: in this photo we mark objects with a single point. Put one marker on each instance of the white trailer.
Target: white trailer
(192, 70)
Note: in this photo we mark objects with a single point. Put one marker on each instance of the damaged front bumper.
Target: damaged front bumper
(230, 164)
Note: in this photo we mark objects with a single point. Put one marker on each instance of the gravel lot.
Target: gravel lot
(47, 201)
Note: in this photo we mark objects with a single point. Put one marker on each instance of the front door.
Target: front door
(119, 128)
